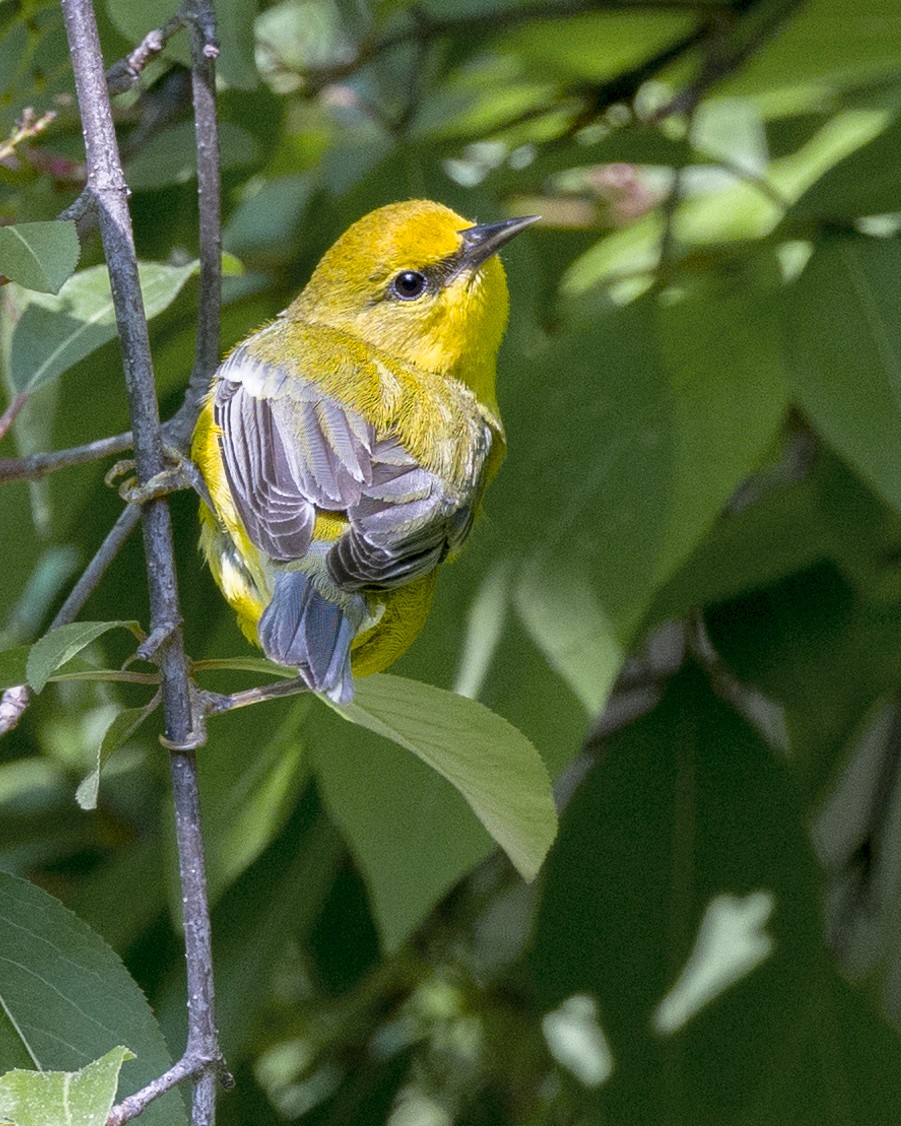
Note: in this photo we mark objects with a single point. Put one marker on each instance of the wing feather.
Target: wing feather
(286, 453)
(406, 521)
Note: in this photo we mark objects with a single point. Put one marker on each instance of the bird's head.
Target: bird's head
(423, 284)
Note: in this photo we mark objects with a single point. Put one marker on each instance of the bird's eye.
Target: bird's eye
(409, 285)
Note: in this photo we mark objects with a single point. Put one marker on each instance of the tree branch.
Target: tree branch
(425, 29)
(183, 724)
(724, 58)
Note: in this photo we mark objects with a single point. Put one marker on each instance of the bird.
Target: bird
(346, 445)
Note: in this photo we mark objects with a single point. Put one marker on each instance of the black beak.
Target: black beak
(479, 243)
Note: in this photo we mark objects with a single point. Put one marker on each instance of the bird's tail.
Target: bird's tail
(302, 628)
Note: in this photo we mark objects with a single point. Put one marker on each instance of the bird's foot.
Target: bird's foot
(180, 474)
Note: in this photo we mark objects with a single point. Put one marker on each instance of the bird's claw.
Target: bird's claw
(180, 474)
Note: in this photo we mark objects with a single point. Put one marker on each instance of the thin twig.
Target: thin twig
(124, 74)
(623, 87)
(203, 1036)
(24, 130)
(198, 14)
(426, 29)
(215, 703)
(15, 701)
(719, 64)
(35, 466)
(128, 520)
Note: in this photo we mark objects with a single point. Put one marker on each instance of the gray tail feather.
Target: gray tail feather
(303, 628)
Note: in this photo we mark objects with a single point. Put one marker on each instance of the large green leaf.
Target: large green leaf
(60, 645)
(77, 1098)
(494, 767)
(66, 998)
(658, 411)
(410, 831)
(592, 46)
(412, 835)
(683, 895)
(39, 255)
(863, 183)
(585, 496)
(844, 335)
(721, 348)
(54, 332)
(781, 533)
(824, 46)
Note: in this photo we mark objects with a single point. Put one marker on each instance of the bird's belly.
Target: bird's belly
(403, 614)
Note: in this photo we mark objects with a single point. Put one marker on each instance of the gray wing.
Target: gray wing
(405, 523)
(290, 449)
(287, 450)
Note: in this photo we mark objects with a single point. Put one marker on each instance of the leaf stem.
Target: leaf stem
(9, 415)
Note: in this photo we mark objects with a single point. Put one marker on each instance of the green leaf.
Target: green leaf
(822, 653)
(13, 666)
(39, 255)
(592, 46)
(412, 834)
(731, 130)
(782, 532)
(824, 46)
(591, 554)
(628, 474)
(50, 1098)
(66, 998)
(845, 340)
(664, 899)
(120, 730)
(722, 351)
(60, 645)
(171, 156)
(54, 332)
(495, 768)
(864, 183)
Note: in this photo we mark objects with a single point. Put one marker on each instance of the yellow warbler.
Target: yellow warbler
(347, 444)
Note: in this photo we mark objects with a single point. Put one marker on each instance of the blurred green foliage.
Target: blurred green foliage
(685, 590)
